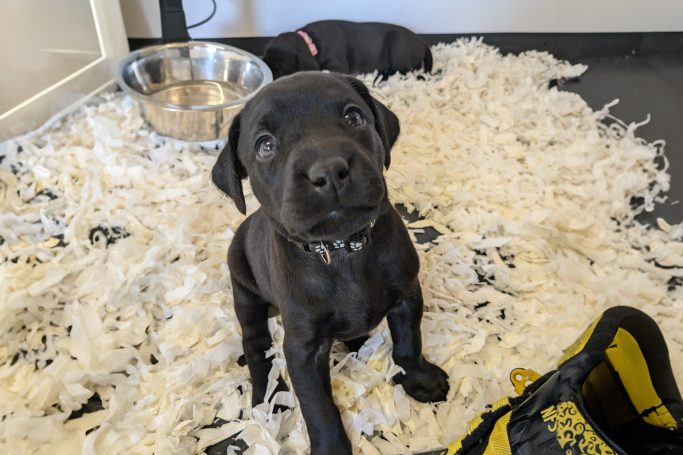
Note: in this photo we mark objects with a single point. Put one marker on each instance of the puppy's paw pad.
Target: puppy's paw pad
(425, 383)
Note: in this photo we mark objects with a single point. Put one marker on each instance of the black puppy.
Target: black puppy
(326, 247)
(348, 47)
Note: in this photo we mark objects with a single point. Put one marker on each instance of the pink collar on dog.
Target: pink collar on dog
(309, 41)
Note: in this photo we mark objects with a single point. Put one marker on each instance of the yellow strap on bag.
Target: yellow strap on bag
(499, 443)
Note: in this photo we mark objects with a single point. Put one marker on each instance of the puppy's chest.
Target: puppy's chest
(351, 304)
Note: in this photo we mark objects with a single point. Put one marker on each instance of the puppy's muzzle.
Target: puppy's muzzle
(332, 191)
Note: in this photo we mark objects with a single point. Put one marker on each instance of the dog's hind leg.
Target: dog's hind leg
(252, 313)
(405, 52)
(422, 380)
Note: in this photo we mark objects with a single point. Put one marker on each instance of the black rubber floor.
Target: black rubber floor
(644, 85)
(643, 70)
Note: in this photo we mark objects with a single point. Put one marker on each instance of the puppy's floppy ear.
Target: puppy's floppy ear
(228, 172)
(386, 122)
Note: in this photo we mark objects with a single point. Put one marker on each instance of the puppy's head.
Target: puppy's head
(314, 146)
(287, 54)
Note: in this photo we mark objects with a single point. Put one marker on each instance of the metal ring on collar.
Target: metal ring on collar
(325, 255)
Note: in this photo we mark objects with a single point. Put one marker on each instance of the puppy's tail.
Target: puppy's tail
(428, 60)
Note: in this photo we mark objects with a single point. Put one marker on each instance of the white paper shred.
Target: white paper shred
(113, 279)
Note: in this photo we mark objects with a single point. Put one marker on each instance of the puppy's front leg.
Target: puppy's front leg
(422, 380)
(252, 313)
(308, 365)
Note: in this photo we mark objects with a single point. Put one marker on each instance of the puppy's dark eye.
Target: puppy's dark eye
(266, 146)
(353, 117)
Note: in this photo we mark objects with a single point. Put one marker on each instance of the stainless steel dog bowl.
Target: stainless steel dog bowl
(192, 91)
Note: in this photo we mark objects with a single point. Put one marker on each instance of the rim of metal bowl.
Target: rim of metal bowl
(150, 50)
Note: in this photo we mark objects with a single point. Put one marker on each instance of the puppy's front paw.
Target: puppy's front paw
(425, 382)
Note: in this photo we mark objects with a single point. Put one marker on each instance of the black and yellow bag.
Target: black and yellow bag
(612, 393)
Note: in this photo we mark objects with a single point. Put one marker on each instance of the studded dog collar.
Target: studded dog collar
(323, 248)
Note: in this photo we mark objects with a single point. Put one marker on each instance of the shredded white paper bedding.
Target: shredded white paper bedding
(113, 278)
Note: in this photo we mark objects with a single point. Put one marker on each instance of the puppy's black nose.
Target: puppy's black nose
(332, 173)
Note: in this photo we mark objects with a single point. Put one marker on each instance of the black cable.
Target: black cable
(173, 25)
(205, 20)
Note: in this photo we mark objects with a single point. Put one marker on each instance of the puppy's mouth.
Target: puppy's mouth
(339, 224)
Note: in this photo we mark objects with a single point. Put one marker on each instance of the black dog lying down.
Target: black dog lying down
(348, 47)
(326, 247)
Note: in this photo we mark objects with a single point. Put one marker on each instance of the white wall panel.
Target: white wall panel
(238, 18)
